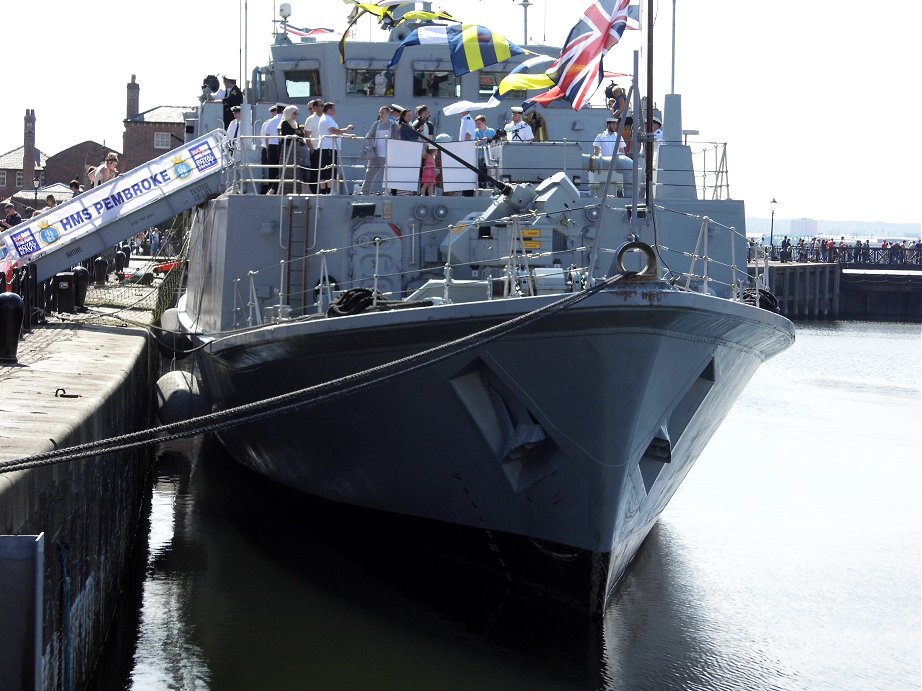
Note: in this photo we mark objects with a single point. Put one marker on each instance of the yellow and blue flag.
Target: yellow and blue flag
(471, 47)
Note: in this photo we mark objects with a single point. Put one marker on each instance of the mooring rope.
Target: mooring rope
(302, 398)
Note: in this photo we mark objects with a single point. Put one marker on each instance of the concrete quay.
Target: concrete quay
(73, 383)
(818, 290)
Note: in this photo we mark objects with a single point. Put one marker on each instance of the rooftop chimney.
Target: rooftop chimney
(28, 149)
(134, 90)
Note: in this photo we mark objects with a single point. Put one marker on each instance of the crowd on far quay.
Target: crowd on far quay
(828, 250)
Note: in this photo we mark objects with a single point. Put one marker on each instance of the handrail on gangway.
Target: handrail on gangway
(102, 217)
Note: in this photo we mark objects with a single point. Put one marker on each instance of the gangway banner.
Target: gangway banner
(65, 224)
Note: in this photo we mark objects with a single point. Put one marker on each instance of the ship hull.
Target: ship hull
(558, 444)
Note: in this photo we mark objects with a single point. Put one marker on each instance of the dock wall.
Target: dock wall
(833, 291)
(87, 509)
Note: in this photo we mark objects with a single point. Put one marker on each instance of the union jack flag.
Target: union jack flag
(577, 73)
(295, 31)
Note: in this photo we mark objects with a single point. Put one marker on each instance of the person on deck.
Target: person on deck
(466, 131)
(518, 130)
(233, 129)
(271, 137)
(330, 133)
(422, 124)
(604, 142)
(312, 130)
(229, 96)
(380, 131)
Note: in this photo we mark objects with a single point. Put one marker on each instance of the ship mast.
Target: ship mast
(525, 6)
(648, 147)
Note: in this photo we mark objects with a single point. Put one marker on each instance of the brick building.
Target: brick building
(19, 167)
(147, 135)
(150, 133)
(73, 162)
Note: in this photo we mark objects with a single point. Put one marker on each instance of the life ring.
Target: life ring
(649, 269)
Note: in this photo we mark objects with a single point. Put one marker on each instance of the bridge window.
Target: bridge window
(302, 83)
(161, 140)
(490, 80)
(369, 83)
(436, 84)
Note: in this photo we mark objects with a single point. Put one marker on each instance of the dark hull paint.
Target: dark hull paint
(601, 381)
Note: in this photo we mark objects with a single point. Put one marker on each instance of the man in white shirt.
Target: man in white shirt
(330, 133)
(518, 130)
(271, 137)
(233, 129)
(466, 133)
(604, 142)
(312, 129)
(264, 151)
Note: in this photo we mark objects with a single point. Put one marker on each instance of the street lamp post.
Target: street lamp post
(36, 183)
(771, 235)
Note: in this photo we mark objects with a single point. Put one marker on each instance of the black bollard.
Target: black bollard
(81, 283)
(64, 286)
(12, 310)
(121, 261)
(100, 269)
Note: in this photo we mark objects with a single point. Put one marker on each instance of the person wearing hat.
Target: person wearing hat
(605, 141)
(12, 218)
(229, 96)
(233, 129)
(518, 130)
(657, 129)
(271, 138)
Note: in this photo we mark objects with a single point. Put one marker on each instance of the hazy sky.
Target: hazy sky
(815, 98)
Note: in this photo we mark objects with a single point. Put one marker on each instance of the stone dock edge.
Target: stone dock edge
(72, 383)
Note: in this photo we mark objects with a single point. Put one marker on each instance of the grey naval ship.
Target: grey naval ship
(528, 370)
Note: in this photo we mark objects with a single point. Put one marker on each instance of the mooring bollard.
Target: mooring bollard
(66, 291)
(81, 283)
(100, 269)
(12, 310)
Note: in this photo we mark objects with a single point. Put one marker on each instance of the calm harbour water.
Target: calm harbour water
(789, 559)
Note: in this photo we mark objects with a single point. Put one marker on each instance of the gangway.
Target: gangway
(102, 217)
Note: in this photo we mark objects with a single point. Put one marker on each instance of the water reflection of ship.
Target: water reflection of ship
(347, 572)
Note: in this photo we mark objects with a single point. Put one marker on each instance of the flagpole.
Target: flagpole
(672, 83)
(648, 130)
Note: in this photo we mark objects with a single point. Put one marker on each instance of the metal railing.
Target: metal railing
(890, 257)
(295, 174)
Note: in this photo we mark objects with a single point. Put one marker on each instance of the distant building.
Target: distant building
(22, 165)
(803, 227)
(73, 162)
(151, 133)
